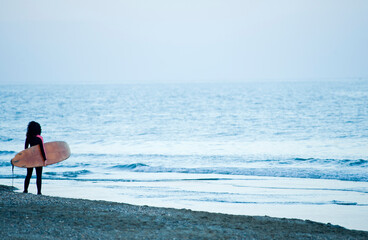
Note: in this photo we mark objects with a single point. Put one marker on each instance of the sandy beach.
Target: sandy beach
(29, 216)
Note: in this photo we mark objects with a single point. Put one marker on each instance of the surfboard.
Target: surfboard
(32, 157)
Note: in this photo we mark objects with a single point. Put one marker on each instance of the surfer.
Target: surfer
(34, 138)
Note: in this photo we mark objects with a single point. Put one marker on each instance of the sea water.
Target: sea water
(287, 149)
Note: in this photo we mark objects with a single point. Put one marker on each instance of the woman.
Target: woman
(34, 138)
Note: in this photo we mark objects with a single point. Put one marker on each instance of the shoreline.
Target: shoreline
(325, 201)
(29, 216)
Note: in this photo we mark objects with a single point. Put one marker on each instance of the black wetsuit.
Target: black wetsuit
(33, 141)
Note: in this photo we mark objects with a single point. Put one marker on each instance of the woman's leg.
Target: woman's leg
(28, 178)
(39, 179)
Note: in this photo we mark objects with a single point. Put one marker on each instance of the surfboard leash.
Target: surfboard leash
(12, 174)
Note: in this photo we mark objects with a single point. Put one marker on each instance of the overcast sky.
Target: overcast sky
(131, 41)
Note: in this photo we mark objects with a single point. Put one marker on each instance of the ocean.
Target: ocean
(284, 149)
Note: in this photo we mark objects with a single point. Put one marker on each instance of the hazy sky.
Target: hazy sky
(122, 41)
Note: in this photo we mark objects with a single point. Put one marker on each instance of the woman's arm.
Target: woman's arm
(42, 149)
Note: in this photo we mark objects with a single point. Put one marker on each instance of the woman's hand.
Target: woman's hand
(45, 163)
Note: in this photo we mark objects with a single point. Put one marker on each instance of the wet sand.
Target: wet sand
(29, 216)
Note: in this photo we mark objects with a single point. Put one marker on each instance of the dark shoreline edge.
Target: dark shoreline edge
(29, 216)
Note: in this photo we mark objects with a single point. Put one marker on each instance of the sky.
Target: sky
(144, 41)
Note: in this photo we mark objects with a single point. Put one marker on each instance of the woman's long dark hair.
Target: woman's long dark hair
(34, 129)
